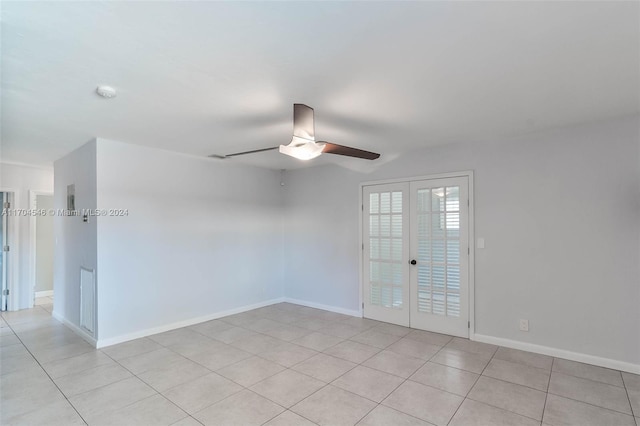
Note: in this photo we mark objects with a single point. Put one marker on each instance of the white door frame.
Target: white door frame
(33, 196)
(13, 266)
(465, 173)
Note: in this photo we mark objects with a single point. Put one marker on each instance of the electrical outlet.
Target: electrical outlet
(524, 325)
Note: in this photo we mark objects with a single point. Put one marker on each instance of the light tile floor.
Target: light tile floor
(292, 365)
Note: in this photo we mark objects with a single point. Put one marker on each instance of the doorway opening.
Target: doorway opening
(42, 248)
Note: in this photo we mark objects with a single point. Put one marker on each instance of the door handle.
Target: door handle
(413, 261)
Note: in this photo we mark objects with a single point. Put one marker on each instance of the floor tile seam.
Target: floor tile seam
(361, 396)
(525, 364)
(236, 393)
(151, 396)
(591, 380)
(633, 413)
(479, 354)
(51, 380)
(84, 370)
(247, 387)
(506, 409)
(474, 384)
(591, 404)
(359, 363)
(514, 383)
(546, 394)
(345, 390)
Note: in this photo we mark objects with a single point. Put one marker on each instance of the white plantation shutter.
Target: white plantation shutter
(438, 234)
(385, 246)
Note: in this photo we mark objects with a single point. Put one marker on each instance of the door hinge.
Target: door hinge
(468, 250)
(5, 248)
(362, 246)
(362, 207)
(7, 205)
(5, 292)
(468, 202)
(362, 305)
(468, 324)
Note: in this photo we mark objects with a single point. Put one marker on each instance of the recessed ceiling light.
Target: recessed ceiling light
(106, 91)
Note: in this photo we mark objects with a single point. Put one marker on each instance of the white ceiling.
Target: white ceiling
(216, 77)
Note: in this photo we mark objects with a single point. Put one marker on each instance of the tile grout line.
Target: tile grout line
(478, 378)
(357, 365)
(147, 384)
(45, 372)
(546, 395)
(633, 413)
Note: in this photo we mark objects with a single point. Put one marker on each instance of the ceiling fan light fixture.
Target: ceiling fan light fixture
(302, 149)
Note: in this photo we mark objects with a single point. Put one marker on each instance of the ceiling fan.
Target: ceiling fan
(303, 146)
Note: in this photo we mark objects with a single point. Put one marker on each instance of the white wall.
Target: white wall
(44, 245)
(202, 236)
(560, 215)
(22, 179)
(75, 240)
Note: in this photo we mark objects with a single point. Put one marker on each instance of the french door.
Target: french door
(386, 248)
(416, 254)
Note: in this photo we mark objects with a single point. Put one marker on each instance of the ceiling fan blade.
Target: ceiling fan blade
(242, 153)
(303, 122)
(332, 148)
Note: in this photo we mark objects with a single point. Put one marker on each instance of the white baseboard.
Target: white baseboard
(80, 332)
(101, 343)
(353, 313)
(46, 293)
(560, 353)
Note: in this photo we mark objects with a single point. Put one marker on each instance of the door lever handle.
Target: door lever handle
(413, 261)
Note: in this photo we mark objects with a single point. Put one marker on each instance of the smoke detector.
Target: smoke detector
(106, 91)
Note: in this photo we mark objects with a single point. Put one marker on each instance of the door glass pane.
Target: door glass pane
(437, 199)
(385, 248)
(396, 226)
(453, 304)
(438, 277)
(424, 300)
(385, 225)
(374, 271)
(396, 249)
(396, 202)
(386, 297)
(424, 200)
(453, 252)
(397, 274)
(374, 203)
(397, 297)
(374, 226)
(424, 251)
(437, 225)
(437, 251)
(453, 225)
(424, 230)
(453, 278)
(453, 198)
(375, 295)
(374, 248)
(438, 303)
(385, 202)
